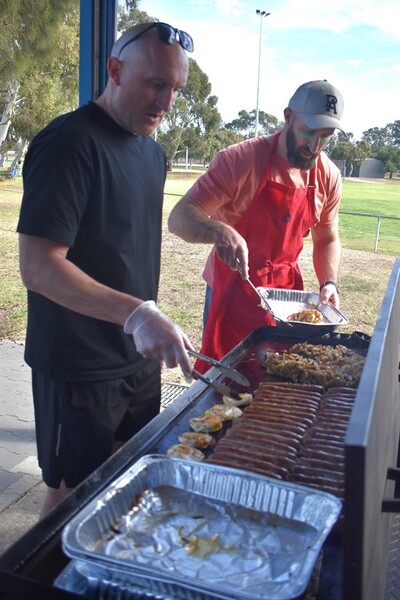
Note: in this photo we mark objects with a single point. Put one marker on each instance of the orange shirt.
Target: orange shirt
(232, 179)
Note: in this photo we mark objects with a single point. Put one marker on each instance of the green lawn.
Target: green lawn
(365, 232)
(356, 232)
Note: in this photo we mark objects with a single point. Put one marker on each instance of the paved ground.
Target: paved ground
(21, 487)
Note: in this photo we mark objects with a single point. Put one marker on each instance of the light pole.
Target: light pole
(261, 14)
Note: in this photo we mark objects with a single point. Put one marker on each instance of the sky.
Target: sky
(354, 44)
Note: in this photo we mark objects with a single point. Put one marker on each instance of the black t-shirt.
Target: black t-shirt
(93, 186)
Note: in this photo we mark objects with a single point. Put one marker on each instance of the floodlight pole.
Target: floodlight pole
(261, 14)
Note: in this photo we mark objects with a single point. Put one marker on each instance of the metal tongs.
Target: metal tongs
(228, 372)
(222, 389)
(264, 303)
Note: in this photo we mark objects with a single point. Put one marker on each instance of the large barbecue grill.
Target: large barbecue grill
(357, 559)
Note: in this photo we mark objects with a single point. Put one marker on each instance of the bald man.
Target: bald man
(90, 239)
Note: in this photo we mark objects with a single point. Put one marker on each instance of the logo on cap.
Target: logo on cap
(331, 102)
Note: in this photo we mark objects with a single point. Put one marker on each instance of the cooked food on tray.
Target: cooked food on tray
(227, 413)
(328, 366)
(307, 315)
(245, 399)
(185, 451)
(206, 424)
(196, 439)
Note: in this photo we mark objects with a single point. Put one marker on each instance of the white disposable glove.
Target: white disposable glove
(156, 336)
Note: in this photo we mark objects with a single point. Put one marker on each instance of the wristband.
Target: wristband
(331, 283)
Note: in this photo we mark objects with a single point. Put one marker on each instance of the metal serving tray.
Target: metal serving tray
(286, 302)
(90, 582)
(197, 530)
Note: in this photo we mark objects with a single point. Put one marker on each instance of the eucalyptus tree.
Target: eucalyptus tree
(193, 119)
(245, 123)
(33, 50)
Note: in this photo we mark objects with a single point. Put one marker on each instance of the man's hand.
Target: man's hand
(231, 248)
(157, 337)
(329, 292)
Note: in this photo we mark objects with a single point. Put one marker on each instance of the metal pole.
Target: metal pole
(261, 14)
(378, 228)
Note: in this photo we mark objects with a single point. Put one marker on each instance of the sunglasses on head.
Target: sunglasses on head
(167, 34)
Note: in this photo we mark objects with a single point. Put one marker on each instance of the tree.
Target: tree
(30, 39)
(221, 139)
(52, 88)
(245, 124)
(390, 155)
(352, 153)
(394, 130)
(193, 119)
(377, 137)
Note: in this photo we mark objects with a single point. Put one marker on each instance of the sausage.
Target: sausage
(261, 450)
(331, 425)
(250, 437)
(291, 399)
(272, 415)
(280, 414)
(245, 461)
(339, 402)
(346, 392)
(318, 462)
(298, 395)
(330, 487)
(266, 471)
(250, 429)
(311, 387)
(330, 414)
(313, 479)
(255, 419)
(292, 408)
(334, 452)
(332, 476)
(327, 436)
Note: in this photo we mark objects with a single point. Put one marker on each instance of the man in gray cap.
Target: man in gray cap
(256, 203)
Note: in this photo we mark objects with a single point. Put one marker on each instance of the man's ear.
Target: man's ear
(287, 113)
(114, 68)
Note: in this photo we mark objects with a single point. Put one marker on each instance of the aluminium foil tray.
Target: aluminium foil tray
(286, 302)
(196, 530)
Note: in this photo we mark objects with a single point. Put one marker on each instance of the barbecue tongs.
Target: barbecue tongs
(222, 389)
(228, 372)
(263, 301)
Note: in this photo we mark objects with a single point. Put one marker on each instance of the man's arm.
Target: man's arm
(46, 270)
(189, 222)
(326, 259)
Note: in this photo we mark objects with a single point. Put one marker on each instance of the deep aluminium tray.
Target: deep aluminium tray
(195, 530)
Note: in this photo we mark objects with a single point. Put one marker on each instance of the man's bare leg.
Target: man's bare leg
(53, 498)
(55, 495)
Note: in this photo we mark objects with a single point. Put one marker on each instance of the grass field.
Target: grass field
(377, 198)
(363, 279)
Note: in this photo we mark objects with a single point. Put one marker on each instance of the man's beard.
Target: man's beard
(293, 155)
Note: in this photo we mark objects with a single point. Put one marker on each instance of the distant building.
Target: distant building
(371, 168)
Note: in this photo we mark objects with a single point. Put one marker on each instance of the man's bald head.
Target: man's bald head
(146, 74)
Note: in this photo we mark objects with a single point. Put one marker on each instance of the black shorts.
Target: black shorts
(78, 422)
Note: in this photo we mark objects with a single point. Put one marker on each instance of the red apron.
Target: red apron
(273, 226)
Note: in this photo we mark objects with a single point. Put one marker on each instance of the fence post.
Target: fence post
(378, 227)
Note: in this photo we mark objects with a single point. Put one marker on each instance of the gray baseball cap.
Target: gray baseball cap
(320, 105)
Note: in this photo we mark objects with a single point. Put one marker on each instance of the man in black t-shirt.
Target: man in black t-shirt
(90, 238)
